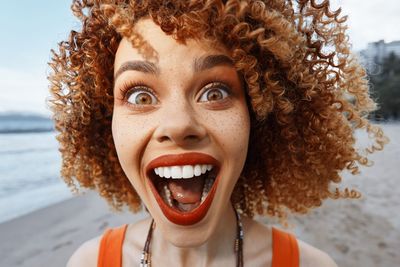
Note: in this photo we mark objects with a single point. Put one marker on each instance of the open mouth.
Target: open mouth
(184, 185)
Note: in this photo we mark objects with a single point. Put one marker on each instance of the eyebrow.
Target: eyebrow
(200, 64)
(138, 65)
(208, 62)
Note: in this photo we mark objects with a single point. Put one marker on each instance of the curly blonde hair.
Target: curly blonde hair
(306, 93)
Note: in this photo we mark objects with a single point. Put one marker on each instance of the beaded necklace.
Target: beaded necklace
(145, 260)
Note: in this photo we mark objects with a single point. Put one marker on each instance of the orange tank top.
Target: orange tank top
(284, 248)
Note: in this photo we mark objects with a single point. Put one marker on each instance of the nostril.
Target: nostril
(192, 137)
(179, 132)
(163, 139)
(187, 138)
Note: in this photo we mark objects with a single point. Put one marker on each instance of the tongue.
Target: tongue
(187, 191)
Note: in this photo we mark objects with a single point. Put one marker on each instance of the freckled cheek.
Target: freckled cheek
(129, 136)
(233, 129)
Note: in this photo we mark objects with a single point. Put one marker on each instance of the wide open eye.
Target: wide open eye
(214, 92)
(141, 96)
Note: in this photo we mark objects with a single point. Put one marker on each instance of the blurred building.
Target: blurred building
(376, 52)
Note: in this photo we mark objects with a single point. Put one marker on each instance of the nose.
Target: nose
(180, 125)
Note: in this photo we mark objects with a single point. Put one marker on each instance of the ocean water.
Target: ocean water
(29, 173)
(24, 123)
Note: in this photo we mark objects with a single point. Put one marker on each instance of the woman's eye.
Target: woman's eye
(142, 97)
(215, 93)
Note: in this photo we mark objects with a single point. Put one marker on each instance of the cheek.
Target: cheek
(241, 126)
(128, 135)
(121, 139)
(232, 130)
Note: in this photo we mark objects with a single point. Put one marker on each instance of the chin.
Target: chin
(188, 236)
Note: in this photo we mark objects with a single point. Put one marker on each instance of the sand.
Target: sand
(363, 232)
(52, 234)
(355, 233)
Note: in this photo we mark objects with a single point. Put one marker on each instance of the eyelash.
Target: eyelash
(128, 87)
(132, 86)
(216, 85)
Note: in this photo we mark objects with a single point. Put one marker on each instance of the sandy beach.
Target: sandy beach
(355, 233)
(364, 232)
(52, 234)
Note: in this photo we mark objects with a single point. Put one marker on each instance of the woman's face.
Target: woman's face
(181, 130)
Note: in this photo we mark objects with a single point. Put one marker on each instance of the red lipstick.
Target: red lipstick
(193, 158)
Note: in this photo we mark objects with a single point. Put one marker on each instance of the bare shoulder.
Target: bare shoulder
(86, 255)
(313, 257)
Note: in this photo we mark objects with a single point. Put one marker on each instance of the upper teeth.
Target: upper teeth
(186, 171)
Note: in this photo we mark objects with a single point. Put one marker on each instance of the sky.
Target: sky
(29, 29)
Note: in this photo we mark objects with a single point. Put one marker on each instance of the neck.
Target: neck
(218, 248)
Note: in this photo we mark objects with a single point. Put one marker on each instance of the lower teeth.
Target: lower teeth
(167, 196)
(185, 207)
(207, 186)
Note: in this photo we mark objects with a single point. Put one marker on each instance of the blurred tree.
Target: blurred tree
(385, 89)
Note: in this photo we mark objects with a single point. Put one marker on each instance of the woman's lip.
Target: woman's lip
(191, 158)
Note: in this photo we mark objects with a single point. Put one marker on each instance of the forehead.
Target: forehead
(157, 47)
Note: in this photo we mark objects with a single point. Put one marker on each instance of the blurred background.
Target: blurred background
(30, 162)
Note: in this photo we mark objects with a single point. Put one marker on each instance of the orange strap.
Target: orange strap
(285, 249)
(110, 251)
